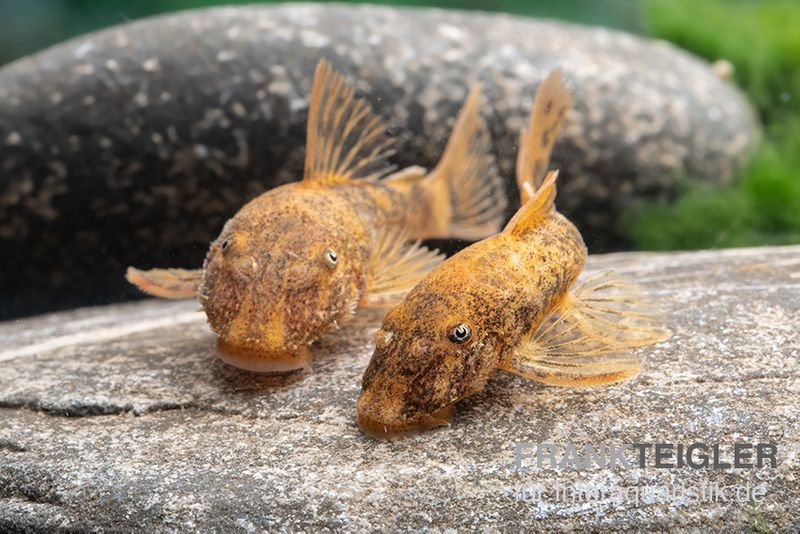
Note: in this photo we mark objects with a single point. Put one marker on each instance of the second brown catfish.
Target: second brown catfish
(510, 302)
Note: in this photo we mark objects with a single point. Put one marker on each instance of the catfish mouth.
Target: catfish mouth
(384, 432)
(256, 359)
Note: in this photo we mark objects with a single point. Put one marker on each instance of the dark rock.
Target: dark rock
(133, 145)
(120, 418)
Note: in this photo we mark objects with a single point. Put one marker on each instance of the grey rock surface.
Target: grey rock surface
(120, 417)
(133, 145)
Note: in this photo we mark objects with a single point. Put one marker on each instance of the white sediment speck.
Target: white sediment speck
(451, 32)
(279, 87)
(172, 133)
(265, 23)
(201, 151)
(255, 76)
(83, 49)
(121, 39)
(314, 39)
(14, 138)
(226, 55)
(152, 65)
(238, 109)
(141, 99)
(85, 69)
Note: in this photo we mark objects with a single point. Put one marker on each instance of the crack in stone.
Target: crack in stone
(706, 380)
(90, 410)
(11, 446)
(13, 486)
(28, 498)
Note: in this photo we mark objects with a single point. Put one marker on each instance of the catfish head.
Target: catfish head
(284, 270)
(431, 351)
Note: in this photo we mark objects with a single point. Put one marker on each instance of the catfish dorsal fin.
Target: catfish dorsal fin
(538, 206)
(345, 139)
(550, 108)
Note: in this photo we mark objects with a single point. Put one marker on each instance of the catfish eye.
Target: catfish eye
(225, 245)
(330, 257)
(459, 333)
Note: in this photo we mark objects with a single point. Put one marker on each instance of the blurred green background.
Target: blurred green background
(760, 38)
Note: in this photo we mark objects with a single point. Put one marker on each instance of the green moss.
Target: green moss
(763, 204)
(759, 38)
(761, 208)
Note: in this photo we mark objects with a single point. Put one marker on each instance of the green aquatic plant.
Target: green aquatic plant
(759, 38)
(762, 205)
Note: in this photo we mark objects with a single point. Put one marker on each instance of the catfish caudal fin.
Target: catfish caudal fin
(550, 108)
(539, 205)
(345, 140)
(588, 339)
(166, 283)
(466, 183)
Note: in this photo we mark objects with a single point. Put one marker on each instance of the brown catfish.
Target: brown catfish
(299, 259)
(509, 302)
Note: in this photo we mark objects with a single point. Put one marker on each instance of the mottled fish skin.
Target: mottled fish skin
(299, 259)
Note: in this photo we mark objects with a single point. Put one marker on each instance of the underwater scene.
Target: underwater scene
(391, 266)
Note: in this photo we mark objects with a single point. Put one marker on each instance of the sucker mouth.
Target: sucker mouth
(380, 431)
(261, 361)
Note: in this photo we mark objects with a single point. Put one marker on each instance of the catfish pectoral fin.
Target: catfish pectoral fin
(166, 283)
(589, 339)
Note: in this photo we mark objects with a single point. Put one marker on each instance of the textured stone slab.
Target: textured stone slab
(120, 417)
(134, 144)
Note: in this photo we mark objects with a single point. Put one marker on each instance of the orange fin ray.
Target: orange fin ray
(166, 283)
(396, 266)
(538, 191)
(550, 107)
(589, 339)
(409, 175)
(345, 139)
(466, 179)
(536, 209)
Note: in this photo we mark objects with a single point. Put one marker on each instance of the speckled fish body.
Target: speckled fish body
(509, 302)
(299, 259)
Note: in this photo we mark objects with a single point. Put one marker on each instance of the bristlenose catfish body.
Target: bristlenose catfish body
(509, 302)
(299, 259)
